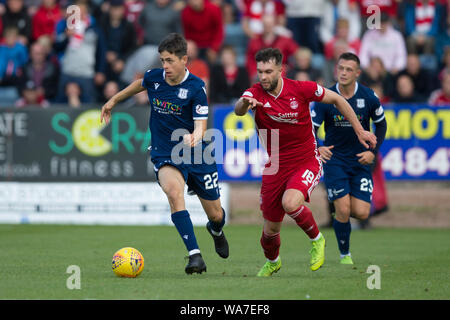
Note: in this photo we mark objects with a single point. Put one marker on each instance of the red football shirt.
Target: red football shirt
(284, 122)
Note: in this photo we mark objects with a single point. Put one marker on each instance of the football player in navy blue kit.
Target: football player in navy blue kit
(347, 165)
(179, 113)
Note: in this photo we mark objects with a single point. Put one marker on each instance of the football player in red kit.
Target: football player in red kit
(282, 116)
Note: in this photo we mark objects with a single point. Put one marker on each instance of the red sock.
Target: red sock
(271, 245)
(305, 220)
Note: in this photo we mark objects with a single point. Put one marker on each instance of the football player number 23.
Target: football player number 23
(366, 185)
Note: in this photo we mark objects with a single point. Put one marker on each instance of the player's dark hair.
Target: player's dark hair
(268, 54)
(174, 43)
(350, 56)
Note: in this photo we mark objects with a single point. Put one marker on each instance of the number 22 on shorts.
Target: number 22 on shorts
(210, 180)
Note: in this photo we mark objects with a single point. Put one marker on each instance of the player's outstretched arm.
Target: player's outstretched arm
(134, 88)
(366, 138)
(244, 104)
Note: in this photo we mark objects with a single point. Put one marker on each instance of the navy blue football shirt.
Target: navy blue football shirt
(338, 131)
(173, 107)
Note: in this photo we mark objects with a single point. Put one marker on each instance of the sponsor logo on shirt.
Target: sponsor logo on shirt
(166, 107)
(290, 117)
(379, 111)
(319, 91)
(267, 105)
(201, 109)
(341, 121)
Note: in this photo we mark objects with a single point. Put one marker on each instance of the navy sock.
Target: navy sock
(342, 231)
(217, 226)
(183, 223)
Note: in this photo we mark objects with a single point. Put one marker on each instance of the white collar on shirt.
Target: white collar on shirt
(339, 91)
(184, 79)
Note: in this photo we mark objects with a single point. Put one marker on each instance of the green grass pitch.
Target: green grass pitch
(414, 264)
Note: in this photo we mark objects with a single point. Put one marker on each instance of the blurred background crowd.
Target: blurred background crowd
(52, 53)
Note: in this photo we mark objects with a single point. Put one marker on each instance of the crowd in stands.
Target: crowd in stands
(79, 52)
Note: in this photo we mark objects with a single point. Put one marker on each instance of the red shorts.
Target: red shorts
(303, 177)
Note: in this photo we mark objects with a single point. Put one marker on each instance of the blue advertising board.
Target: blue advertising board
(417, 144)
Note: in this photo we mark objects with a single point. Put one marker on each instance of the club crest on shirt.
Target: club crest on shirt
(293, 103)
(182, 93)
(360, 103)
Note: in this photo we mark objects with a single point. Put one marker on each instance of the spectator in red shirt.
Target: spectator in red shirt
(387, 6)
(269, 38)
(253, 12)
(441, 97)
(45, 19)
(202, 22)
(196, 66)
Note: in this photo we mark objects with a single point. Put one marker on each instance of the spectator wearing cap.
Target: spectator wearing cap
(16, 15)
(31, 96)
(120, 39)
(82, 49)
(40, 71)
(202, 22)
(386, 43)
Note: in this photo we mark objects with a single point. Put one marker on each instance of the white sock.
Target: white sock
(273, 261)
(344, 255)
(194, 251)
(216, 233)
(317, 238)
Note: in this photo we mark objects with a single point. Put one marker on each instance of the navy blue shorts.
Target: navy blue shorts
(341, 180)
(201, 180)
